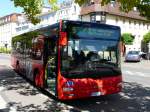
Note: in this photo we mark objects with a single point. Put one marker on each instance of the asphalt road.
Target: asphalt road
(16, 94)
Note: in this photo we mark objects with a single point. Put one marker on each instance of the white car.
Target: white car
(133, 56)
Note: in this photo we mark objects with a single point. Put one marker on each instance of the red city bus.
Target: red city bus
(70, 59)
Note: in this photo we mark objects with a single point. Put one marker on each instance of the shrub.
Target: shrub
(127, 38)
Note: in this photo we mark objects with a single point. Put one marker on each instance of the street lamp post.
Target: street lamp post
(6, 46)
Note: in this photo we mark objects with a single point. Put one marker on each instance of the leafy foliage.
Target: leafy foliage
(53, 4)
(4, 50)
(146, 38)
(127, 38)
(34, 7)
(80, 2)
(31, 8)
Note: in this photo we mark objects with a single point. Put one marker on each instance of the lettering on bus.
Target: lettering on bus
(85, 32)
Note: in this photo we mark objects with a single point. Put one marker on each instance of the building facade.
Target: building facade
(92, 11)
(16, 24)
(68, 11)
(7, 28)
(110, 14)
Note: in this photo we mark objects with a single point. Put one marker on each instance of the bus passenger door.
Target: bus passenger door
(50, 69)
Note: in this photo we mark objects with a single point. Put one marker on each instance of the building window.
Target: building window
(139, 24)
(143, 24)
(25, 27)
(75, 9)
(66, 11)
(92, 2)
(99, 17)
(5, 19)
(134, 8)
(116, 21)
(89, 2)
(129, 23)
(9, 18)
(18, 29)
(103, 18)
(112, 3)
(93, 18)
(147, 26)
(124, 21)
(134, 24)
(80, 17)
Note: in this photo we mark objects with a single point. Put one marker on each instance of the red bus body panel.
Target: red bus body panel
(13, 61)
(83, 88)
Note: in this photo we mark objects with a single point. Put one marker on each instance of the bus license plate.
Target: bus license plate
(96, 94)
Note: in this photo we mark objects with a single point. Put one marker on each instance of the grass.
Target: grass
(4, 50)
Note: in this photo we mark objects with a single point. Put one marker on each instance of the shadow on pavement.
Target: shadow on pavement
(133, 98)
(12, 81)
(23, 88)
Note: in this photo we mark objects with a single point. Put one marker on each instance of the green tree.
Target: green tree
(127, 38)
(146, 38)
(33, 7)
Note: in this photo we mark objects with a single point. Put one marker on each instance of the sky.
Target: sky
(7, 7)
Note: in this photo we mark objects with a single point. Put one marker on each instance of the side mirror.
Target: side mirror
(63, 38)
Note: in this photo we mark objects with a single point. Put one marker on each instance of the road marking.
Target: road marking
(3, 104)
(141, 74)
(135, 73)
(129, 72)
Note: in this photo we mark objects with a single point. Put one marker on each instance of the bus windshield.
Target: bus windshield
(90, 54)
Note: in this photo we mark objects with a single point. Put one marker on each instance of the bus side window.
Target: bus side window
(37, 49)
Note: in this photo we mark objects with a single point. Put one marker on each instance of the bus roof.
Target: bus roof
(77, 23)
(82, 23)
